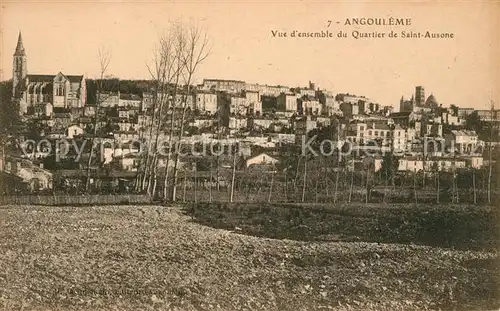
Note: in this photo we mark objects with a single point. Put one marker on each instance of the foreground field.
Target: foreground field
(162, 258)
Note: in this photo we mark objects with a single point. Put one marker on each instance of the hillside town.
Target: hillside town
(249, 155)
(59, 113)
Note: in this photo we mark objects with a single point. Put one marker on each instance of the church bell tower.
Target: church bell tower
(19, 66)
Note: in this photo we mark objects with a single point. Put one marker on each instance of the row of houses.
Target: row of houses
(415, 164)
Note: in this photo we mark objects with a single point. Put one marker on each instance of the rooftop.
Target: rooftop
(50, 78)
(464, 133)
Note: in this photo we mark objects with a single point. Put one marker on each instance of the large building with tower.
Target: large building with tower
(61, 90)
(418, 101)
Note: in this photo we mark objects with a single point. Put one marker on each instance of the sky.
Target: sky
(465, 70)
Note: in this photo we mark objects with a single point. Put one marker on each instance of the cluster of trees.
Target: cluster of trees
(328, 179)
(9, 114)
(487, 131)
(136, 87)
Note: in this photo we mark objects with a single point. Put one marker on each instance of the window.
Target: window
(376, 133)
(60, 90)
(370, 133)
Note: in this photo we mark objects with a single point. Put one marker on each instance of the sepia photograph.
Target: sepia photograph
(249, 155)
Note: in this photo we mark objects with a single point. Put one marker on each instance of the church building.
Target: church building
(62, 91)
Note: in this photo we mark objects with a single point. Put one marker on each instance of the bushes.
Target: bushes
(467, 227)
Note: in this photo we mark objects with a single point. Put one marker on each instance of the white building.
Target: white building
(305, 125)
(306, 92)
(463, 141)
(399, 139)
(73, 131)
(450, 119)
(474, 161)
(236, 123)
(261, 159)
(34, 177)
(287, 102)
(125, 125)
(129, 162)
(415, 164)
(239, 105)
(309, 106)
(253, 102)
(252, 96)
(184, 100)
(206, 101)
(130, 101)
(43, 109)
(356, 132)
(464, 112)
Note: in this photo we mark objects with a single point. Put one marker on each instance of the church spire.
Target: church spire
(20, 47)
(19, 66)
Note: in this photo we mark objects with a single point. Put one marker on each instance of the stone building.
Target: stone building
(62, 91)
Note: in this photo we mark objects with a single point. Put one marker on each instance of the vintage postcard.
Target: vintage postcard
(249, 155)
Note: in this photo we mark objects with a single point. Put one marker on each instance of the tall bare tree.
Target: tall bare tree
(368, 185)
(285, 188)
(196, 50)
(352, 180)
(453, 189)
(234, 151)
(104, 56)
(166, 73)
(305, 180)
(149, 136)
(415, 186)
(474, 184)
(179, 46)
(159, 76)
(436, 168)
(493, 120)
(210, 185)
(271, 186)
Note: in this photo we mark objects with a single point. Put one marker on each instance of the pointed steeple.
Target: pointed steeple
(20, 48)
(19, 66)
